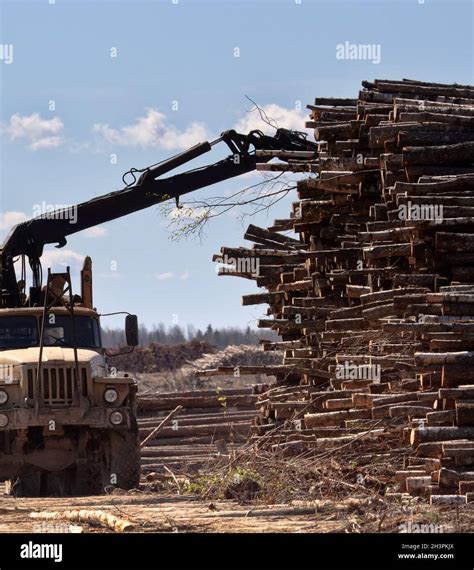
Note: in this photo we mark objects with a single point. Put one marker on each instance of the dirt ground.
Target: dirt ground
(152, 512)
(155, 512)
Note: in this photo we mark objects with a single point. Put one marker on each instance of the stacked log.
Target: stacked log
(373, 298)
(211, 424)
(232, 355)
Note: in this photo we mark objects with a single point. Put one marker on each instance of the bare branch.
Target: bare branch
(191, 217)
(263, 115)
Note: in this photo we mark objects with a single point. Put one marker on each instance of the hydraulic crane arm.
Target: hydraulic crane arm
(30, 237)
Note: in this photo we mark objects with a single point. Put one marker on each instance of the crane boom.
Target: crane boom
(29, 238)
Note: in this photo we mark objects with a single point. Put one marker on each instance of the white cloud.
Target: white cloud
(45, 142)
(153, 130)
(59, 259)
(164, 276)
(280, 116)
(10, 219)
(171, 275)
(95, 232)
(37, 132)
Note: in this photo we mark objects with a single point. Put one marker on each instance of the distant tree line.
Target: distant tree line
(218, 337)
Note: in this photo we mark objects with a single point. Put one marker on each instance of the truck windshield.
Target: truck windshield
(18, 332)
(58, 331)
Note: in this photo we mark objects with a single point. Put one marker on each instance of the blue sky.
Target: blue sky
(183, 52)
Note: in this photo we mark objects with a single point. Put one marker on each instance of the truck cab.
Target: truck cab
(67, 419)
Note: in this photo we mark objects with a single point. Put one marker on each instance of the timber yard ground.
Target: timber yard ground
(155, 512)
(185, 481)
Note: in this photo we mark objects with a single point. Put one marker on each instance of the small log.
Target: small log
(339, 404)
(355, 291)
(409, 411)
(425, 138)
(391, 250)
(334, 418)
(402, 476)
(465, 413)
(443, 417)
(417, 485)
(466, 487)
(393, 399)
(445, 154)
(260, 298)
(218, 400)
(451, 478)
(430, 434)
(430, 449)
(459, 183)
(429, 358)
(454, 242)
(94, 517)
(345, 324)
(460, 453)
(453, 375)
(425, 89)
(460, 393)
(238, 428)
(447, 500)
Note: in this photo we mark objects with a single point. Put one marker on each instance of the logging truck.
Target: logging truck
(67, 419)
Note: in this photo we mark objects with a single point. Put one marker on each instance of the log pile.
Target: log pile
(157, 357)
(210, 424)
(374, 297)
(233, 358)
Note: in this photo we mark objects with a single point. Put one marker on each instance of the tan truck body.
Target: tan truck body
(56, 424)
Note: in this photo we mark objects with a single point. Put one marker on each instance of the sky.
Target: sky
(90, 89)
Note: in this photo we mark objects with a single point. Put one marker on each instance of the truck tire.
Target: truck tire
(91, 474)
(89, 479)
(42, 483)
(125, 458)
(58, 483)
(28, 484)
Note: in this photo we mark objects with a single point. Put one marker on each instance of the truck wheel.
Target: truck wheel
(125, 458)
(89, 480)
(29, 484)
(44, 484)
(58, 483)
